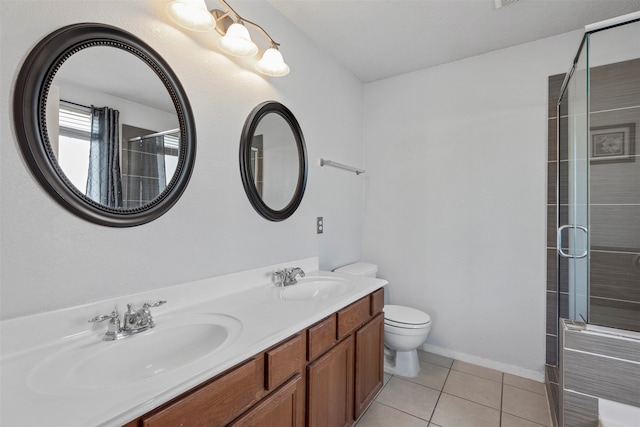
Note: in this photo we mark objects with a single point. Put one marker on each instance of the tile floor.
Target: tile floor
(451, 393)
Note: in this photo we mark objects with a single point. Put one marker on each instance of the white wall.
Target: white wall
(455, 210)
(52, 259)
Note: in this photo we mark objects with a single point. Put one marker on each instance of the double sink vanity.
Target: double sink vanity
(230, 350)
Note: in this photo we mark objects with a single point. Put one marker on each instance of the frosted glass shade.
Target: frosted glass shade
(272, 64)
(237, 41)
(191, 14)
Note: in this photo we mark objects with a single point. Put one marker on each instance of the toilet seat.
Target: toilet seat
(399, 316)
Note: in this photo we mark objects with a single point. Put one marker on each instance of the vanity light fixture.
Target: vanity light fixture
(191, 14)
(236, 41)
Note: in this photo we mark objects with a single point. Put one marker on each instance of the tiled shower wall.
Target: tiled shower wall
(614, 191)
(555, 291)
(557, 287)
(614, 205)
(614, 212)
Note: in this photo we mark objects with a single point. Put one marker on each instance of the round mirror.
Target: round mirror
(273, 161)
(104, 125)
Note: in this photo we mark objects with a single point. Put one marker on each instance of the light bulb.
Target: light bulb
(237, 41)
(191, 14)
(272, 64)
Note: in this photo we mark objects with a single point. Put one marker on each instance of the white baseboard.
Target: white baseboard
(491, 364)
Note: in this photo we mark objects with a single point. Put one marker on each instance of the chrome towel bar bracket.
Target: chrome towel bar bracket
(324, 162)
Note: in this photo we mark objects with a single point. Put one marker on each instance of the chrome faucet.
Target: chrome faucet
(286, 276)
(133, 321)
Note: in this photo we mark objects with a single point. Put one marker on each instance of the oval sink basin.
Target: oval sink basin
(176, 342)
(315, 288)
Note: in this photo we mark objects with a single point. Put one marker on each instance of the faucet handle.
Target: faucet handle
(113, 316)
(146, 313)
(153, 304)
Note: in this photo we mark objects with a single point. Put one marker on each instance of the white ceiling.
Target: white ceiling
(376, 39)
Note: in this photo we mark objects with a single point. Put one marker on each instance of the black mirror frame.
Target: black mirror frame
(29, 104)
(248, 132)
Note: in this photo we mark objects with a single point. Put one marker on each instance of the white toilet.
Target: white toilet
(405, 329)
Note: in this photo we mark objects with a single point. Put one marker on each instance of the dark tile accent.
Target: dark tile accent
(615, 118)
(615, 275)
(563, 279)
(615, 85)
(552, 279)
(600, 376)
(552, 132)
(579, 410)
(552, 313)
(615, 183)
(563, 300)
(563, 185)
(614, 314)
(551, 349)
(551, 226)
(552, 173)
(564, 138)
(615, 227)
(602, 344)
(554, 84)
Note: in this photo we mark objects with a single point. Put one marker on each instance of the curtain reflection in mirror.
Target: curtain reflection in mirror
(104, 184)
(149, 163)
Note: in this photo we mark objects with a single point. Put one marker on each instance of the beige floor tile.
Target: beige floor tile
(379, 415)
(453, 411)
(479, 371)
(430, 375)
(525, 404)
(524, 383)
(435, 359)
(477, 389)
(409, 397)
(509, 420)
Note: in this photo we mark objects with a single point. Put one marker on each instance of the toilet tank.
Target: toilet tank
(359, 269)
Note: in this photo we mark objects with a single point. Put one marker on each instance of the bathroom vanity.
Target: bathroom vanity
(234, 350)
(338, 358)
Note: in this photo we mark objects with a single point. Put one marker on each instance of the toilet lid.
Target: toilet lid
(407, 317)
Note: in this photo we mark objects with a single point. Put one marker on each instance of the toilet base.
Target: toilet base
(403, 363)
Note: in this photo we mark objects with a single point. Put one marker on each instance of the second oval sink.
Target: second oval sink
(314, 288)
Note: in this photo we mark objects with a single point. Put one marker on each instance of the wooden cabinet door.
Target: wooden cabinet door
(282, 408)
(369, 363)
(330, 388)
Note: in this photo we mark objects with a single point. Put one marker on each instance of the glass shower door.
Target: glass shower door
(573, 193)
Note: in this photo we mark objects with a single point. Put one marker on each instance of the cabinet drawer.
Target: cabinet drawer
(216, 403)
(321, 337)
(283, 361)
(377, 301)
(349, 318)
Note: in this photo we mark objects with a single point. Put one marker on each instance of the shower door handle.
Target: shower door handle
(559, 241)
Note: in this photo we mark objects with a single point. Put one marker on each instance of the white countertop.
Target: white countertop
(29, 342)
